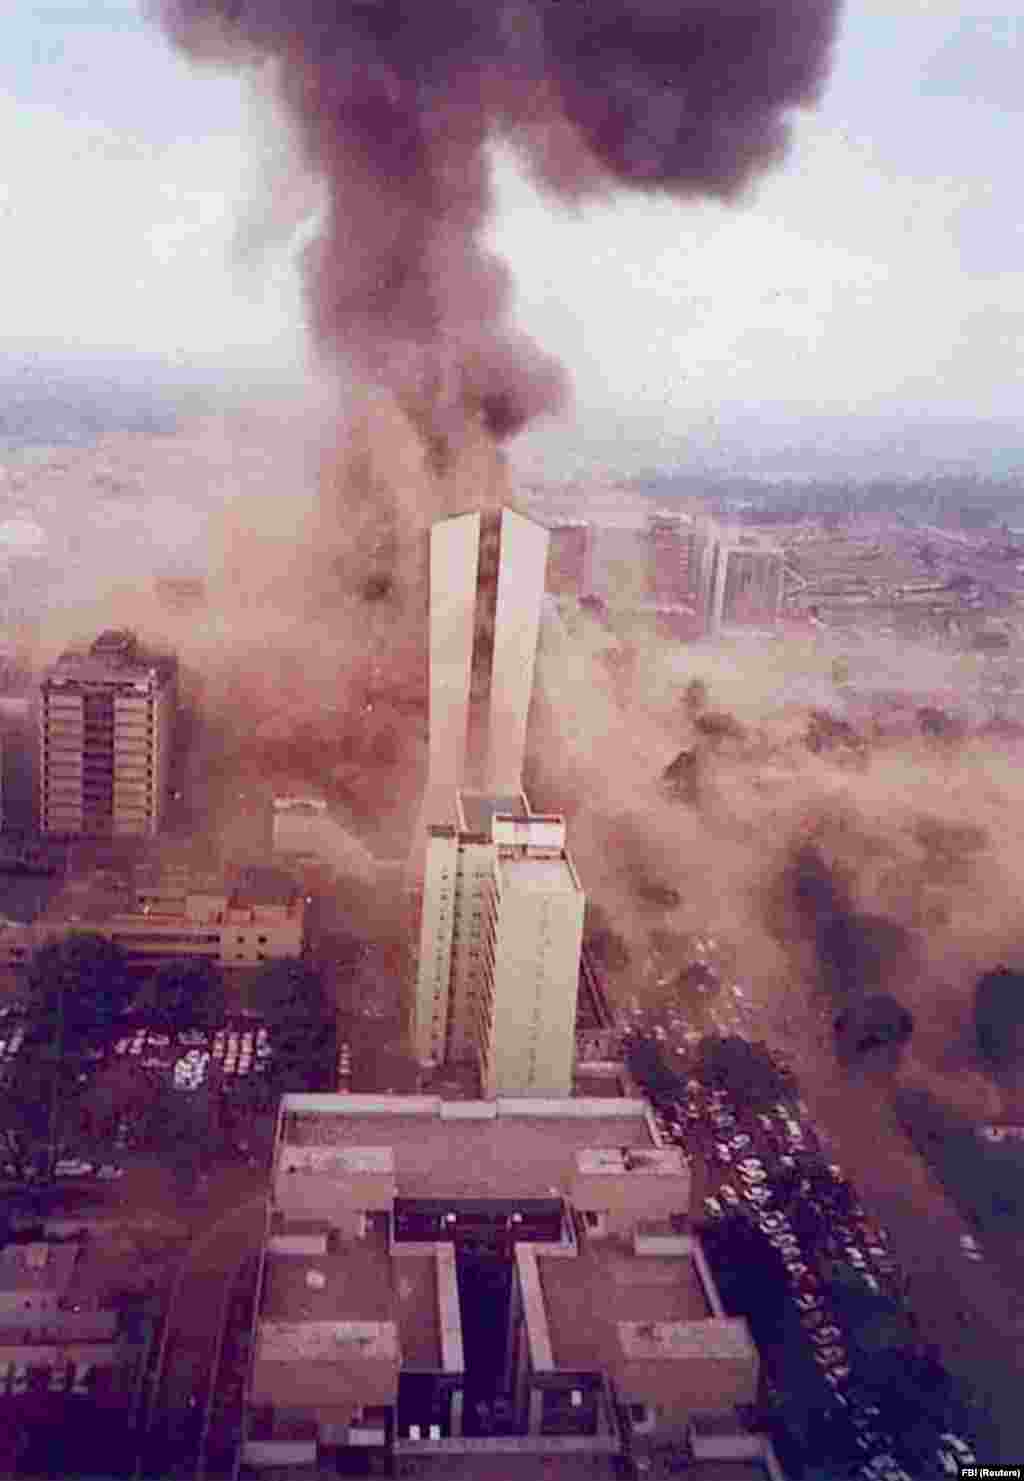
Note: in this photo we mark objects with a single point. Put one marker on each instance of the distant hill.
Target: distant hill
(46, 401)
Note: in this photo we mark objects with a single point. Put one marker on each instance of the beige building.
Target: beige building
(736, 576)
(457, 612)
(500, 941)
(105, 735)
(496, 1280)
(173, 914)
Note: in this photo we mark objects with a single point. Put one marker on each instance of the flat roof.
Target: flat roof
(510, 1156)
(361, 1285)
(606, 1284)
(547, 875)
(37, 1267)
(479, 808)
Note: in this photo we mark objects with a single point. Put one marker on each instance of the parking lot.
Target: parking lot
(769, 1173)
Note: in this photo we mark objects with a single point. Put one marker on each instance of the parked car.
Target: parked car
(109, 1172)
(969, 1247)
(809, 1302)
(757, 1193)
(713, 1208)
(19, 1379)
(785, 1243)
(826, 1336)
(753, 1174)
(855, 1256)
(795, 1269)
(960, 1448)
(722, 1154)
(729, 1194)
(739, 1142)
(771, 1222)
(751, 1164)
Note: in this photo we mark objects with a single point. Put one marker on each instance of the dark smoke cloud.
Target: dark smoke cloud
(397, 102)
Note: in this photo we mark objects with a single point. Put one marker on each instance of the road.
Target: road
(964, 1308)
(177, 1404)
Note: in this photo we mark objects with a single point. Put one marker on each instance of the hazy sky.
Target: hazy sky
(881, 268)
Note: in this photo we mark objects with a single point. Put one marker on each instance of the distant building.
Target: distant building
(481, 1280)
(736, 577)
(105, 736)
(500, 943)
(568, 558)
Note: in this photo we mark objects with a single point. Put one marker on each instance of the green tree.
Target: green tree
(182, 994)
(79, 985)
(747, 1071)
(288, 993)
(999, 1016)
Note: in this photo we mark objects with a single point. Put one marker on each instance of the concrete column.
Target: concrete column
(536, 1410)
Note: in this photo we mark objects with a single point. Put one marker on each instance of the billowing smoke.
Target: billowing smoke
(397, 103)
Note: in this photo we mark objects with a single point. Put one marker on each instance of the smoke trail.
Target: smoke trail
(397, 103)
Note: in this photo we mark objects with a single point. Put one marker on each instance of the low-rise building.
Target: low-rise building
(481, 1279)
(173, 914)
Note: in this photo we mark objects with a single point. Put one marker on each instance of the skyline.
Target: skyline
(875, 274)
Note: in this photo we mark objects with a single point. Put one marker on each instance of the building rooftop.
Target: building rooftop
(475, 1149)
(361, 1284)
(477, 809)
(606, 1284)
(115, 657)
(546, 875)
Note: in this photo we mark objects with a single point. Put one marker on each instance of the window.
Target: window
(241, 940)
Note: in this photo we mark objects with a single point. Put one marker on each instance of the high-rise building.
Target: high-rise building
(500, 944)
(105, 736)
(457, 614)
(502, 916)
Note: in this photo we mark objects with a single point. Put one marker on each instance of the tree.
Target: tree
(288, 993)
(873, 1022)
(747, 1071)
(184, 993)
(80, 984)
(999, 1016)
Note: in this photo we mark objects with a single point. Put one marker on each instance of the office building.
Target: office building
(459, 611)
(481, 1282)
(172, 914)
(500, 942)
(105, 737)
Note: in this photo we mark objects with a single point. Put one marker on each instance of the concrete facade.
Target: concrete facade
(523, 561)
(454, 555)
(362, 1335)
(105, 735)
(500, 942)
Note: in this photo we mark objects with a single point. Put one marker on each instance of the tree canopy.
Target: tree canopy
(288, 993)
(83, 981)
(747, 1071)
(999, 1016)
(184, 993)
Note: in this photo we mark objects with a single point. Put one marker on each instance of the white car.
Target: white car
(758, 1194)
(960, 1449)
(19, 1380)
(729, 1194)
(771, 1222)
(753, 1174)
(71, 1167)
(83, 1375)
(713, 1208)
(110, 1172)
(969, 1247)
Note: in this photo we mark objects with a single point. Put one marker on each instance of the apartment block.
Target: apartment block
(105, 735)
(500, 944)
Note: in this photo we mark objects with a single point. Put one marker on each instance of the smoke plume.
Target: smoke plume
(397, 104)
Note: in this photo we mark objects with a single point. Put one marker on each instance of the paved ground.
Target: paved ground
(229, 1228)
